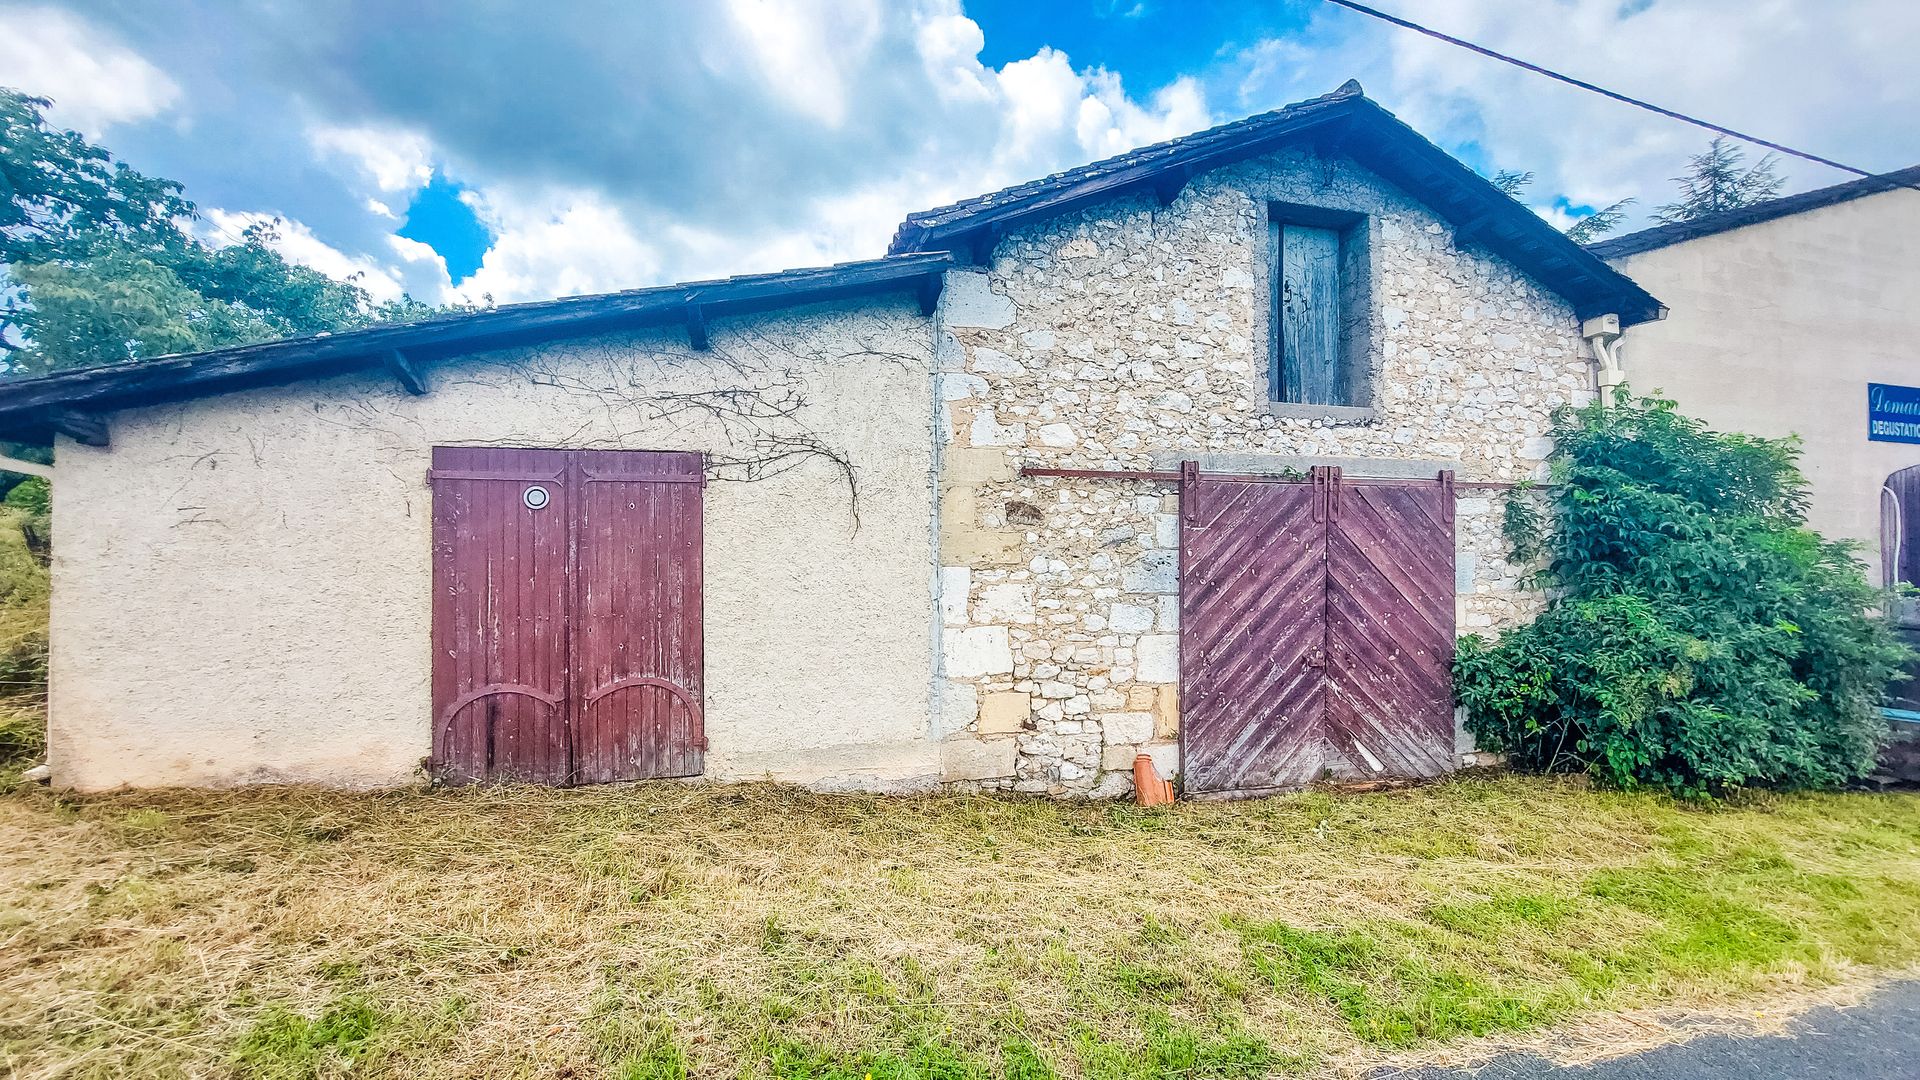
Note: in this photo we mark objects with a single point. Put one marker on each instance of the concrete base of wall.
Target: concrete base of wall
(895, 769)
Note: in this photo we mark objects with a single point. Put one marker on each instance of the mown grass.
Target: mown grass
(664, 931)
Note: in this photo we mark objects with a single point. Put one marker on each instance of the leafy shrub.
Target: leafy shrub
(1700, 638)
(24, 592)
(33, 494)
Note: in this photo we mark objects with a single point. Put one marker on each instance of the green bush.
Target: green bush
(1699, 637)
(33, 494)
(23, 605)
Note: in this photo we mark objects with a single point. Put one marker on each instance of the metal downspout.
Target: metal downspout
(1603, 335)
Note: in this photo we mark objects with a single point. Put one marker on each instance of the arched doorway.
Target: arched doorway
(1900, 562)
(1900, 532)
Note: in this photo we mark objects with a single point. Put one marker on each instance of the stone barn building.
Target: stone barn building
(1195, 452)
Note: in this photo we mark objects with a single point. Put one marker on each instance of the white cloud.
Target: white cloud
(995, 127)
(664, 142)
(949, 45)
(1040, 97)
(420, 271)
(1030, 117)
(1111, 123)
(661, 143)
(394, 160)
(808, 51)
(561, 245)
(94, 81)
(1834, 79)
(297, 243)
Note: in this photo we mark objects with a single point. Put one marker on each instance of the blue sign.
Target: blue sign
(1893, 413)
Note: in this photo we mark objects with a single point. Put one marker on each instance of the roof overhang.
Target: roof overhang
(72, 402)
(1680, 232)
(1343, 122)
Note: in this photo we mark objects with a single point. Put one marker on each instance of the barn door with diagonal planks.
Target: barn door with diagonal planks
(567, 639)
(1316, 631)
(1390, 628)
(1252, 634)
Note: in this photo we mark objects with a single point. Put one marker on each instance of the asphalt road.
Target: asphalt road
(1879, 1040)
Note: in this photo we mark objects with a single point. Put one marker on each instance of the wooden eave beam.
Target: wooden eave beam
(980, 245)
(696, 320)
(1334, 141)
(88, 429)
(404, 370)
(25, 404)
(929, 292)
(1476, 229)
(1168, 185)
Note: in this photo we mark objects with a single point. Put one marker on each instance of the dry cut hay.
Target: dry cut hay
(721, 930)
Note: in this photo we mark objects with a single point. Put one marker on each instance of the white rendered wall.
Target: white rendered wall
(242, 583)
(1777, 328)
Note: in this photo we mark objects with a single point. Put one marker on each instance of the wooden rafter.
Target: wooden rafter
(696, 321)
(409, 376)
(929, 292)
(89, 429)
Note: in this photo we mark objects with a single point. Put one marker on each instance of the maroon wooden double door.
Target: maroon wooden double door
(1316, 631)
(567, 645)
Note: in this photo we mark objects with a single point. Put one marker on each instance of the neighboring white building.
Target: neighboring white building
(1189, 453)
(1783, 315)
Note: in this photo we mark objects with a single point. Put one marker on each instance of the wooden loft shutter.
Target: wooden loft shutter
(1307, 317)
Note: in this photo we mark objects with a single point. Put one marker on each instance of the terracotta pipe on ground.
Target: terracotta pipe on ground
(1148, 788)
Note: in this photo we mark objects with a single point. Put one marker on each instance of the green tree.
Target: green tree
(1599, 223)
(98, 267)
(1700, 637)
(1714, 183)
(1513, 184)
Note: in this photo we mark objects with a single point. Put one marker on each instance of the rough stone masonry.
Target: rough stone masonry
(1132, 336)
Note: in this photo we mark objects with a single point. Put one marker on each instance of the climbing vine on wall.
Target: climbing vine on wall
(752, 398)
(1521, 527)
(1701, 638)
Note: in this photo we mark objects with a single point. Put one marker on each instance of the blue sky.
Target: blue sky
(438, 217)
(1149, 43)
(519, 151)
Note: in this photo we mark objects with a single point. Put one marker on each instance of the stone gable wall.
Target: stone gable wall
(1131, 336)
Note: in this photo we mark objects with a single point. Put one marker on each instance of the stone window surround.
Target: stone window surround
(1358, 228)
(1332, 414)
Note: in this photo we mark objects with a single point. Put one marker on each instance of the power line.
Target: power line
(1601, 90)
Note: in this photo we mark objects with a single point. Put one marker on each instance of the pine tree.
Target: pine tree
(1714, 183)
(1599, 223)
(1513, 184)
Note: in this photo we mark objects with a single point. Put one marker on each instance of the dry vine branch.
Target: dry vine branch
(760, 417)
